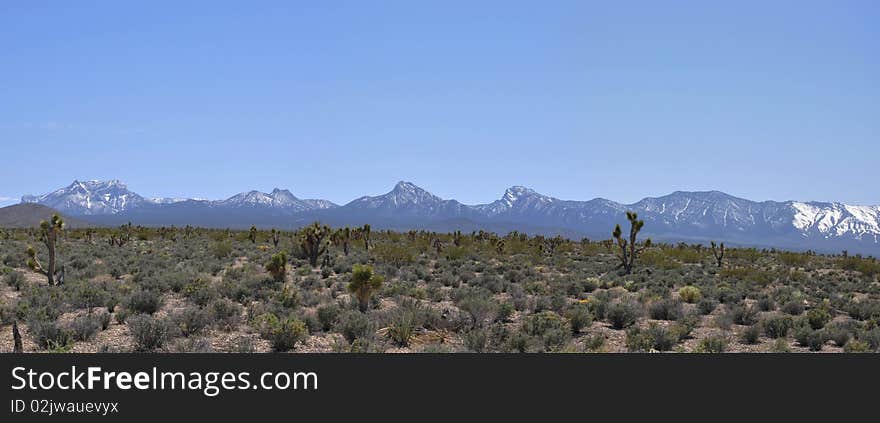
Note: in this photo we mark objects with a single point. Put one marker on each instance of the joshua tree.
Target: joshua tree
(365, 232)
(456, 238)
(275, 237)
(554, 243)
(718, 253)
(277, 266)
(342, 238)
(499, 246)
(438, 245)
(628, 250)
(363, 284)
(16, 338)
(49, 231)
(253, 234)
(312, 242)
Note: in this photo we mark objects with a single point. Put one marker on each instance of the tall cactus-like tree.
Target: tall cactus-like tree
(342, 238)
(438, 245)
(276, 237)
(718, 253)
(365, 233)
(628, 250)
(312, 241)
(49, 231)
(16, 338)
(456, 238)
(253, 234)
(364, 283)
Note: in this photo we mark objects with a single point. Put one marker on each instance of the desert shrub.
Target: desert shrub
(551, 329)
(689, 294)
(200, 291)
(221, 249)
(191, 345)
(84, 327)
(402, 328)
(856, 346)
(743, 315)
(665, 309)
(777, 326)
(793, 259)
(190, 321)
(505, 312)
(476, 340)
(594, 342)
(48, 335)
(623, 314)
(478, 304)
(393, 254)
(809, 337)
(818, 317)
(871, 337)
(328, 315)
(654, 337)
(683, 327)
(780, 346)
(793, 307)
(838, 333)
(104, 319)
(750, 335)
(286, 333)
(711, 344)
(864, 310)
(224, 313)
(149, 333)
(144, 301)
(14, 279)
(353, 325)
(765, 303)
(579, 316)
(707, 305)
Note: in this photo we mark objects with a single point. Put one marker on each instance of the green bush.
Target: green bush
(551, 329)
(283, 333)
(144, 302)
(750, 335)
(711, 344)
(623, 314)
(689, 294)
(579, 316)
(665, 309)
(149, 333)
(328, 315)
(84, 327)
(818, 317)
(48, 335)
(777, 326)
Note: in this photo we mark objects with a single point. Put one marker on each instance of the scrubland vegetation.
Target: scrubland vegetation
(324, 289)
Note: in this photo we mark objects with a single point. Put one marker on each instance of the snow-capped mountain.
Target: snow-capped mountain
(90, 198)
(406, 200)
(98, 198)
(680, 216)
(279, 199)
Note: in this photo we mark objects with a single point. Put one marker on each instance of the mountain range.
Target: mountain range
(680, 216)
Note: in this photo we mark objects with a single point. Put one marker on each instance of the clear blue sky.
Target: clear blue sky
(576, 99)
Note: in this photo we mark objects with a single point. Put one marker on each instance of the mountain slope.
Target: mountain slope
(29, 216)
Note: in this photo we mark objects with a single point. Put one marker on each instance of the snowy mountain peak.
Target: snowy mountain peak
(90, 197)
(515, 193)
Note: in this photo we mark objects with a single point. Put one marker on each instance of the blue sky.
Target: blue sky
(764, 100)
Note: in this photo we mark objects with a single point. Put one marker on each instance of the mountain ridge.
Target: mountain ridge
(680, 215)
